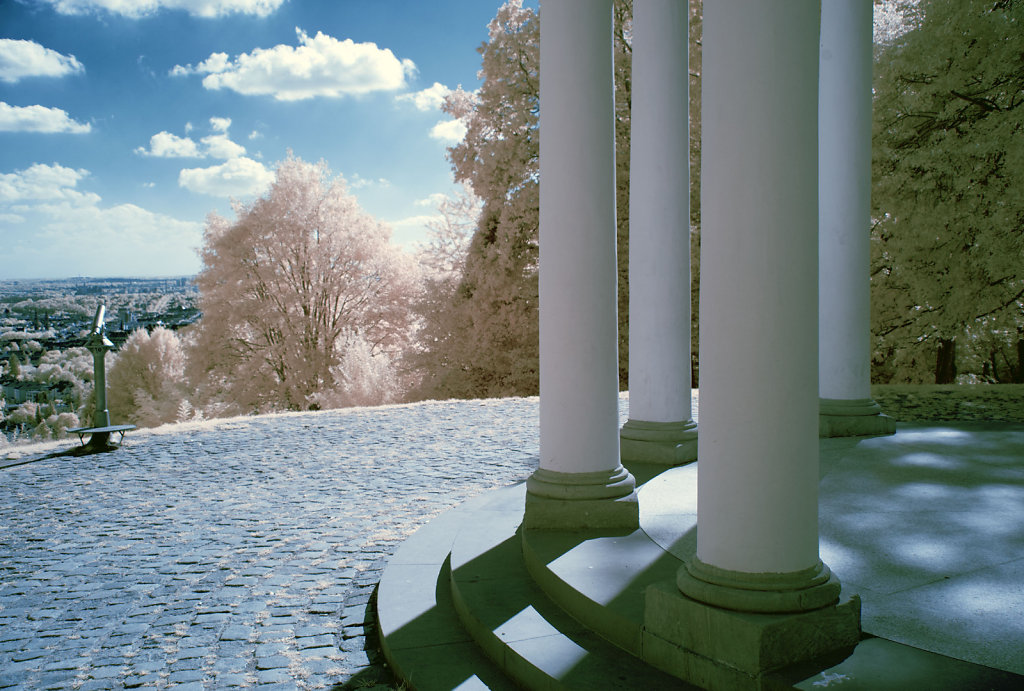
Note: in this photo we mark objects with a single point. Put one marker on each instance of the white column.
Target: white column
(757, 479)
(844, 329)
(660, 426)
(580, 482)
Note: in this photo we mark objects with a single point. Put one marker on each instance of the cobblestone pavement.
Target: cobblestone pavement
(237, 554)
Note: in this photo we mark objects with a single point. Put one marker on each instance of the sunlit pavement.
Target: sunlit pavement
(235, 554)
(927, 526)
(246, 552)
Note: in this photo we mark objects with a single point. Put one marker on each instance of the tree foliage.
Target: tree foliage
(948, 195)
(146, 383)
(286, 289)
(442, 262)
(492, 349)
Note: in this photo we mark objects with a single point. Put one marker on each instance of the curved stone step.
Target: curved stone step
(420, 633)
(600, 580)
(527, 635)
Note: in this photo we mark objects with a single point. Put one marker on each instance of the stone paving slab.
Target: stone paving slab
(236, 554)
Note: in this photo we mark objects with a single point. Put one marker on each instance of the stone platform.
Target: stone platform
(926, 526)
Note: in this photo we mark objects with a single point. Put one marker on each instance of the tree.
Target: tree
(290, 285)
(494, 352)
(437, 359)
(696, 65)
(68, 371)
(146, 383)
(948, 170)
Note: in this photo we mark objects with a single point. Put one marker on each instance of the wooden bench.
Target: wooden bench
(82, 431)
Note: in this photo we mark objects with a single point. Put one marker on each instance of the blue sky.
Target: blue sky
(123, 123)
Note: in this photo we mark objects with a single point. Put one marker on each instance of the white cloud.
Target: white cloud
(357, 181)
(20, 59)
(140, 8)
(71, 231)
(433, 201)
(319, 66)
(448, 131)
(428, 99)
(220, 146)
(413, 230)
(167, 145)
(38, 119)
(415, 221)
(255, 134)
(220, 124)
(121, 240)
(236, 177)
(45, 183)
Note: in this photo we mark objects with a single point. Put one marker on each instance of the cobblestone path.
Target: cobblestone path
(237, 554)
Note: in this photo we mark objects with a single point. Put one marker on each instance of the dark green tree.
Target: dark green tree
(948, 195)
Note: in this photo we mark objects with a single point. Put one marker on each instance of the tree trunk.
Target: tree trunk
(1018, 372)
(945, 361)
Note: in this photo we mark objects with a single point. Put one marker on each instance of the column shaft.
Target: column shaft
(845, 198)
(758, 482)
(756, 596)
(844, 161)
(660, 423)
(579, 445)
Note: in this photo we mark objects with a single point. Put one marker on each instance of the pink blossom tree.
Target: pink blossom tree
(301, 275)
(146, 379)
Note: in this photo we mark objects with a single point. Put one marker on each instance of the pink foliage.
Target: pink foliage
(146, 379)
(301, 275)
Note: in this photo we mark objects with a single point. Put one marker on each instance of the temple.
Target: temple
(784, 353)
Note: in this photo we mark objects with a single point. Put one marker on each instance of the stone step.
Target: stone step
(600, 580)
(467, 602)
(522, 630)
(420, 633)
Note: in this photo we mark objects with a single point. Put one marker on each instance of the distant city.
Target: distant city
(44, 321)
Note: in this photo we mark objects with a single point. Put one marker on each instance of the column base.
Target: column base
(725, 645)
(852, 418)
(663, 443)
(581, 501)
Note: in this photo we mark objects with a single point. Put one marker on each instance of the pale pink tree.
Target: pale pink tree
(146, 383)
(290, 285)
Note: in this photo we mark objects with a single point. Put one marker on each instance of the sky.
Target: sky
(123, 123)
